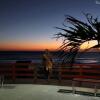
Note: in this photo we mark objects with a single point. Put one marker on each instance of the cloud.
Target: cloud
(97, 1)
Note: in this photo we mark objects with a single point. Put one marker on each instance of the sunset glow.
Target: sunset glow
(88, 45)
(30, 46)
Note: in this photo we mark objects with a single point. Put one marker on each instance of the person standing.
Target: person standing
(47, 61)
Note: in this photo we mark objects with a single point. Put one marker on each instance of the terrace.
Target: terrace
(61, 79)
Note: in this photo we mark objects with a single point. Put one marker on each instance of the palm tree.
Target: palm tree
(76, 34)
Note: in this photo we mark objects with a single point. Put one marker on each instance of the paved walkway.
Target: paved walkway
(40, 92)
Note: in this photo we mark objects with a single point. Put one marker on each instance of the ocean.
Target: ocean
(36, 56)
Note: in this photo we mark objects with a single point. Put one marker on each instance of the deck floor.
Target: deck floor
(41, 92)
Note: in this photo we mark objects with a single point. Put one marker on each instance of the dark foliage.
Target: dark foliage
(76, 34)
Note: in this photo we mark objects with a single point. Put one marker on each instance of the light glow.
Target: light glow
(88, 45)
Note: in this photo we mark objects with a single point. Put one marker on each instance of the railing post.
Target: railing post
(80, 71)
(49, 75)
(60, 73)
(13, 72)
(35, 73)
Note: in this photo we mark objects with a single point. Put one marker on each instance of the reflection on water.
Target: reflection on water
(88, 60)
(77, 60)
(35, 57)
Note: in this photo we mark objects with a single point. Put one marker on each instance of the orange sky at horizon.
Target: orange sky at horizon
(28, 46)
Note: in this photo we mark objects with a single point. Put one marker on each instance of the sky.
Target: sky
(30, 24)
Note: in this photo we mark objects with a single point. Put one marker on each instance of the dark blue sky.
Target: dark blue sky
(30, 23)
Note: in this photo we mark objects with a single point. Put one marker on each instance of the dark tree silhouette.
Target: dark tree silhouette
(76, 34)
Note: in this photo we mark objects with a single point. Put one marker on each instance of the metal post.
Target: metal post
(95, 90)
(73, 87)
(2, 80)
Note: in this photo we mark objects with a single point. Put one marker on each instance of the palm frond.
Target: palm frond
(76, 34)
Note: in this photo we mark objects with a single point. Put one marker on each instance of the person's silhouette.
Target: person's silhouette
(47, 61)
